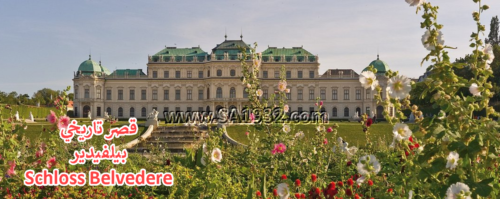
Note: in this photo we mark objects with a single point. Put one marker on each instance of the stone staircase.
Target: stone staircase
(173, 139)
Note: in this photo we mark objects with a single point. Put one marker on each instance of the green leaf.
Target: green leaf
(483, 188)
(109, 189)
(250, 189)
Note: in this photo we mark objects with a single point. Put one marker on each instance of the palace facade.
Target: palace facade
(191, 79)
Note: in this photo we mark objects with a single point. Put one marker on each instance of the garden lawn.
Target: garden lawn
(351, 132)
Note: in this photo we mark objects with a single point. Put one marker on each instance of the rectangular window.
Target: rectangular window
(155, 95)
(165, 94)
(358, 94)
(98, 93)
(166, 74)
(155, 74)
(200, 74)
(266, 94)
(289, 96)
(368, 112)
(120, 94)
(189, 74)
(346, 94)
(323, 94)
(87, 93)
(300, 110)
(143, 94)
(108, 94)
(276, 74)
(177, 109)
(98, 111)
(311, 74)
(178, 74)
(264, 74)
(177, 94)
(334, 94)
(200, 94)
(288, 74)
(132, 94)
(245, 93)
(189, 94)
(299, 74)
(208, 73)
(200, 109)
(311, 94)
(368, 93)
(76, 94)
(165, 109)
(188, 109)
(299, 94)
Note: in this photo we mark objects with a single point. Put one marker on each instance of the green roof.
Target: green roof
(174, 51)
(231, 47)
(380, 65)
(89, 66)
(130, 72)
(299, 52)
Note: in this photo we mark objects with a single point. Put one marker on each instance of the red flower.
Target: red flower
(51, 162)
(302, 195)
(369, 122)
(350, 182)
(325, 141)
(329, 130)
(297, 195)
(321, 103)
(411, 139)
(370, 183)
(349, 163)
(258, 194)
(348, 192)
(340, 184)
(314, 177)
(318, 191)
(389, 190)
(297, 183)
(283, 177)
(356, 196)
(275, 192)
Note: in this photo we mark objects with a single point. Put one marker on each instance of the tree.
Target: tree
(493, 37)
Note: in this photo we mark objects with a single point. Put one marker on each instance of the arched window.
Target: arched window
(208, 73)
(233, 73)
(245, 93)
(143, 112)
(120, 112)
(334, 112)
(346, 112)
(219, 73)
(232, 93)
(109, 110)
(358, 111)
(132, 112)
(219, 92)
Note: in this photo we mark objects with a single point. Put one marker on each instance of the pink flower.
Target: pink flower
(247, 133)
(315, 104)
(325, 141)
(39, 153)
(321, 103)
(279, 148)
(329, 130)
(51, 162)
(63, 122)
(252, 118)
(11, 171)
(52, 118)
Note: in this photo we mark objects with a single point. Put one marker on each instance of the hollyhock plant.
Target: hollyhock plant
(474, 89)
(297, 183)
(286, 128)
(401, 132)
(51, 162)
(452, 160)
(286, 108)
(283, 177)
(259, 92)
(283, 191)
(63, 122)
(458, 190)
(415, 2)
(368, 80)
(369, 122)
(490, 56)
(279, 148)
(368, 165)
(430, 46)
(399, 87)
(314, 177)
(12, 166)
(52, 118)
(282, 86)
(216, 155)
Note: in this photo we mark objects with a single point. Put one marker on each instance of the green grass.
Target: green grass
(351, 132)
(36, 130)
(24, 111)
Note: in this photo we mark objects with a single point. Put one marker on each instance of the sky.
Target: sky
(42, 43)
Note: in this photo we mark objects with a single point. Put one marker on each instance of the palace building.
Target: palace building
(191, 79)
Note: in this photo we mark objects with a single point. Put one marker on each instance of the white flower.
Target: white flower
(259, 92)
(488, 50)
(205, 148)
(299, 134)
(410, 194)
(401, 132)
(286, 108)
(367, 165)
(257, 62)
(283, 191)
(360, 180)
(286, 128)
(458, 190)
(203, 161)
(216, 155)
(441, 115)
(415, 2)
(430, 46)
(249, 85)
(452, 160)
(368, 80)
(399, 87)
(318, 128)
(474, 89)
(420, 149)
(287, 90)
(282, 86)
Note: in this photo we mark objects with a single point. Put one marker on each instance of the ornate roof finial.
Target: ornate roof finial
(99, 62)
(241, 36)
(225, 34)
(90, 57)
(377, 56)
